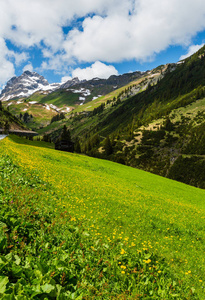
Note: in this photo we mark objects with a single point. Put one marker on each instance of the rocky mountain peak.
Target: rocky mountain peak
(25, 85)
(72, 82)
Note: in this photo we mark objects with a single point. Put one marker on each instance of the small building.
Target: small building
(64, 145)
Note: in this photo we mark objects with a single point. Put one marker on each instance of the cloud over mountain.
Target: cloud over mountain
(98, 69)
(192, 49)
(68, 32)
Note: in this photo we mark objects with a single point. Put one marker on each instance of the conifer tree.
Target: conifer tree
(107, 146)
(6, 126)
(65, 134)
(77, 146)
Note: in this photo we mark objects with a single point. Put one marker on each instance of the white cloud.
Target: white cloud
(19, 57)
(98, 69)
(192, 49)
(27, 23)
(65, 79)
(6, 71)
(6, 67)
(28, 67)
(151, 28)
(130, 29)
(111, 31)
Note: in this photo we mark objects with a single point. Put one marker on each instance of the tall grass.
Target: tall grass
(125, 233)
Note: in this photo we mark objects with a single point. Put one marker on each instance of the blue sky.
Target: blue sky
(62, 39)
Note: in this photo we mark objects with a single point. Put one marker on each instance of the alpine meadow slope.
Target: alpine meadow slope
(76, 227)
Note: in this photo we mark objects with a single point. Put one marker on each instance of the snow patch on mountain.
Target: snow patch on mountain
(82, 98)
(83, 91)
(25, 85)
(94, 98)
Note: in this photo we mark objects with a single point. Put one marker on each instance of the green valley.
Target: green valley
(155, 124)
(76, 227)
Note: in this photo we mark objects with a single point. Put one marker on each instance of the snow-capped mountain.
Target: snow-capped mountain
(25, 85)
(30, 82)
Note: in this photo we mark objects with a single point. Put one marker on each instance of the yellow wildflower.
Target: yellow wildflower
(122, 251)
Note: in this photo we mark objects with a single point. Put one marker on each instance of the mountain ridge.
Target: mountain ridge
(30, 82)
(25, 85)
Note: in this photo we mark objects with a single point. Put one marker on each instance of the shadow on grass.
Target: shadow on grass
(24, 141)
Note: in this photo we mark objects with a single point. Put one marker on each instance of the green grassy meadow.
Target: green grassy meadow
(89, 106)
(41, 115)
(61, 98)
(76, 227)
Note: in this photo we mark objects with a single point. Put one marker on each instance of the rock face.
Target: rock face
(25, 85)
(31, 82)
(70, 83)
(113, 80)
(96, 87)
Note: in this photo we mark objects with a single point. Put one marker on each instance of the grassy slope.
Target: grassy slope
(62, 98)
(117, 203)
(59, 98)
(190, 111)
(89, 106)
(41, 115)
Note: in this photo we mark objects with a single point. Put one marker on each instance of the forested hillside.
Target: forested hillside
(9, 121)
(159, 129)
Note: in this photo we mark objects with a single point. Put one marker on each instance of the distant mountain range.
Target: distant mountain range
(31, 93)
(31, 82)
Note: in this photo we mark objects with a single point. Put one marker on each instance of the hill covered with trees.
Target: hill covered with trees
(159, 129)
(9, 121)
